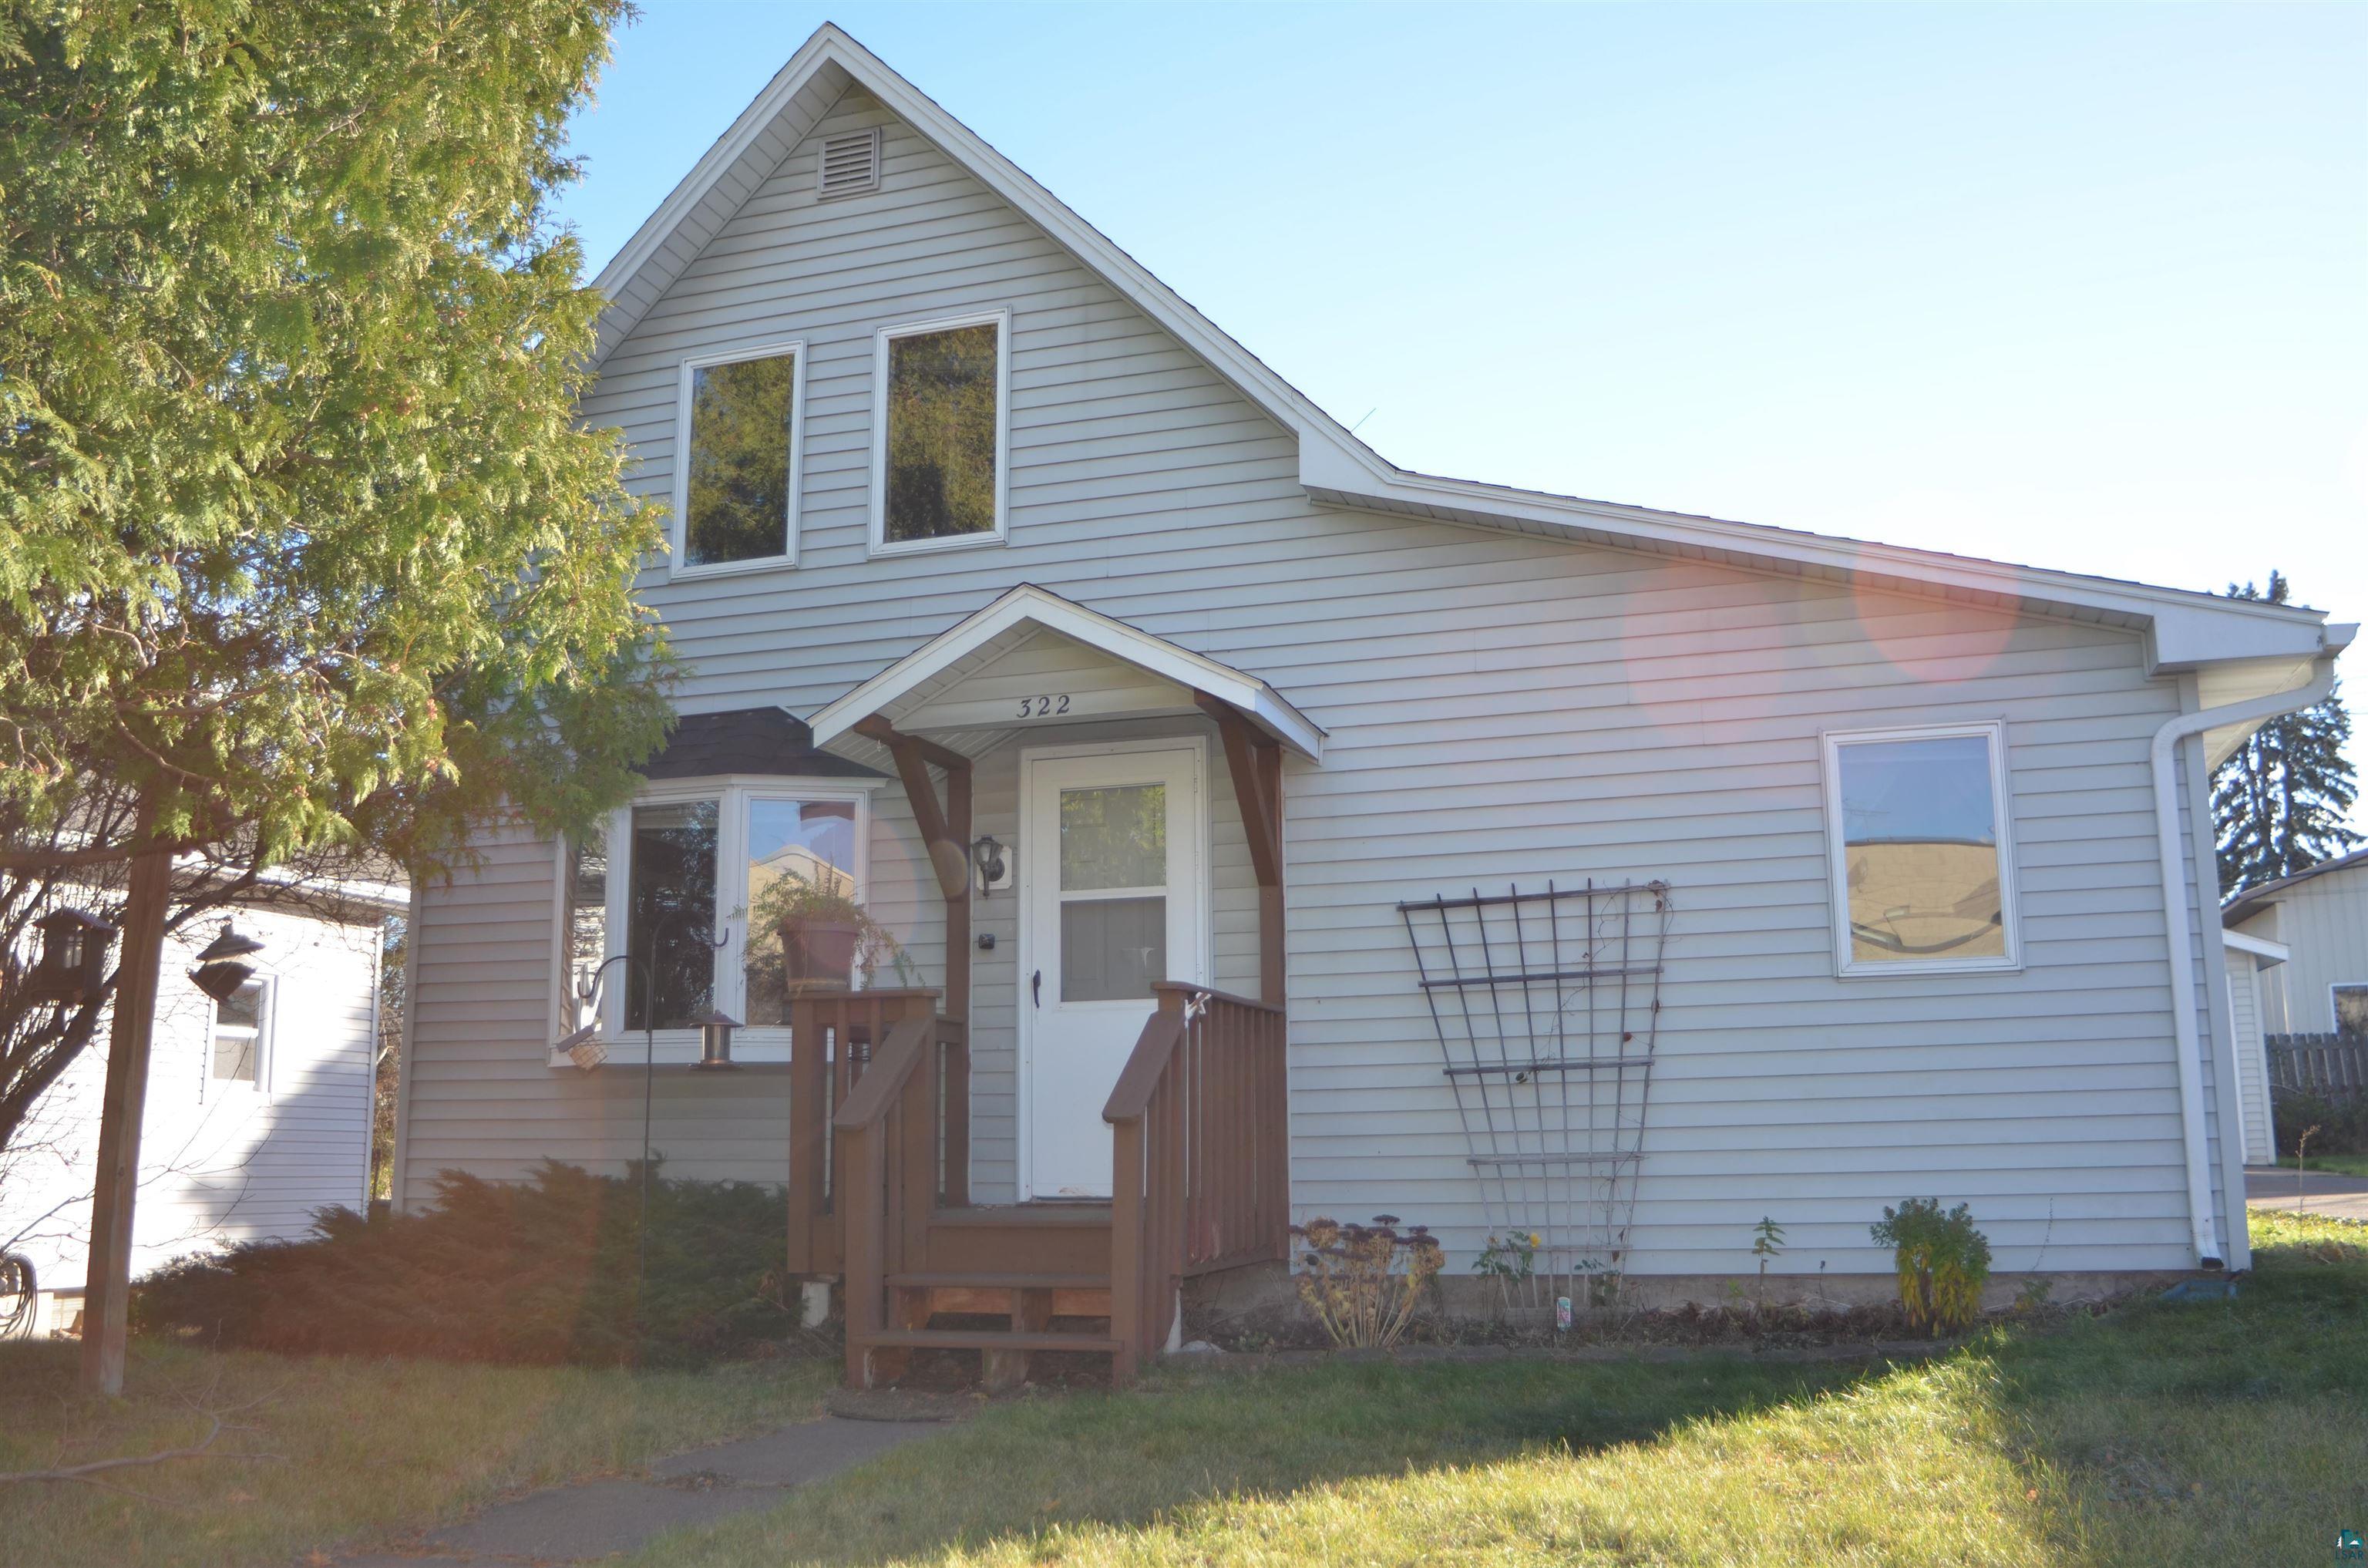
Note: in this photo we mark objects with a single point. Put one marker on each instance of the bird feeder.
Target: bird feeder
(72, 962)
(218, 973)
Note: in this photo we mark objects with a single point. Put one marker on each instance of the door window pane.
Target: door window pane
(801, 859)
(738, 504)
(1920, 852)
(1114, 838)
(941, 423)
(670, 913)
(587, 921)
(1113, 949)
(238, 1034)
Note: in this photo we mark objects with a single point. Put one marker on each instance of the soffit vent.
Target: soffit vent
(850, 163)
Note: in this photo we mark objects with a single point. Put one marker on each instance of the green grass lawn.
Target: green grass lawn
(2203, 1433)
(366, 1446)
(2340, 1164)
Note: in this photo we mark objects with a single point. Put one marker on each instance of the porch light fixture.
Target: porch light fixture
(986, 852)
(72, 961)
(218, 973)
(715, 1028)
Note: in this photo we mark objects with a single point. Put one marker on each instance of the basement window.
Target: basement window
(740, 430)
(940, 434)
(1923, 871)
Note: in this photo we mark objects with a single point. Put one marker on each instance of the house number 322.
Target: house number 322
(1043, 706)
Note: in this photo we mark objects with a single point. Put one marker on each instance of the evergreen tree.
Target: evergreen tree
(304, 550)
(2278, 805)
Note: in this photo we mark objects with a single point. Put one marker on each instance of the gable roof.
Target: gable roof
(2254, 900)
(978, 639)
(2184, 630)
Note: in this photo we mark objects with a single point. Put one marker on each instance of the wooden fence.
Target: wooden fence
(2318, 1064)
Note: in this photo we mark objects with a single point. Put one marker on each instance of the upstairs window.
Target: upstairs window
(938, 476)
(1923, 874)
(235, 1050)
(736, 490)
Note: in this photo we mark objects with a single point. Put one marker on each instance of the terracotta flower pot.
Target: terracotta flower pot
(819, 950)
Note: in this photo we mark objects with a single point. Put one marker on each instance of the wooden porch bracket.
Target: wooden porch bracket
(1256, 763)
(946, 830)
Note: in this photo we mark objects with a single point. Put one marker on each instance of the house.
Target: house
(2316, 923)
(2255, 979)
(1269, 832)
(258, 1110)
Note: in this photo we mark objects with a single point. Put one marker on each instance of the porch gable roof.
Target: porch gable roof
(928, 673)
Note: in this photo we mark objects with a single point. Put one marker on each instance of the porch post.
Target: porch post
(1256, 764)
(946, 830)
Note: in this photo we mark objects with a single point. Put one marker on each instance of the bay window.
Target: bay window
(691, 881)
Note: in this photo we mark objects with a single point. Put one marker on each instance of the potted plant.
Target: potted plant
(826, 939)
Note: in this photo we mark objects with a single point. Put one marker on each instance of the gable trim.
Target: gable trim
(1029, 604)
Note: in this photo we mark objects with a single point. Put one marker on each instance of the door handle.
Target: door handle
(1036, 988)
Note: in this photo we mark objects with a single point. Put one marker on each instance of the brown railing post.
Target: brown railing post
(862, 1203)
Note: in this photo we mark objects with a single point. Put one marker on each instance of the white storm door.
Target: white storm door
(1111, 871)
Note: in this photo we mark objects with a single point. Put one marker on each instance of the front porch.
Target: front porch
(1085, 1069)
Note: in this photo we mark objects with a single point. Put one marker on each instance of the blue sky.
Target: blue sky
(2080, 286)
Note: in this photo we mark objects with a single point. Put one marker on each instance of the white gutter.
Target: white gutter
(2204, 1221)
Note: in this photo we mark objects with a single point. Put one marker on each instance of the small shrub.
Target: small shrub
(1512, 1262)
(2336, 1123)
(543, 1272)
(1362, 1282)
(1767, 1246)
(1944, 1263)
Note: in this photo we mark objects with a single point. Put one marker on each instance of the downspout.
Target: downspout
(2204, 1221)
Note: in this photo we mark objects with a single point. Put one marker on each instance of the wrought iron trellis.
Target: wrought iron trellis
(1548, 1006)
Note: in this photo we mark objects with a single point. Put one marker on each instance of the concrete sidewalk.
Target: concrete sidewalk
(2316, 1192)
(598, 1518)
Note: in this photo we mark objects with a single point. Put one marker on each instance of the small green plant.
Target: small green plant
(1363, 1282)
(2034, 1295)
(1767, 1246)
(1944, 1263)
(1512, 1261)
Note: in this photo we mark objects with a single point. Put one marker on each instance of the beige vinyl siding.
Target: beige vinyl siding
(1500, 709)
(2324, 921)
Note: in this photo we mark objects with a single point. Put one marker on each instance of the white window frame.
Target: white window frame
(679, 527)
(266, 1007)
(2335, 1013)
(731, 793)
(1846, 965)
(879, 544)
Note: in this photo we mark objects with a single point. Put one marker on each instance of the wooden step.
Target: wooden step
(1028, 1238)
(987, 1340)
(1025, 1297)
(991, 1281)
(1024, 1215)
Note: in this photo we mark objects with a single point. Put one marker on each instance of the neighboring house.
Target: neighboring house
(2253, 979)
(2321, 916)
(2314, 924)
(1093, 655)
(258, 1108)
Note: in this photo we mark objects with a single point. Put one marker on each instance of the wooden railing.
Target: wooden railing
(834, 1037)
(1200, 1157)
(902, 1138)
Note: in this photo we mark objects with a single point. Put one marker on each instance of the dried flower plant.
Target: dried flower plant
(1363, 1282)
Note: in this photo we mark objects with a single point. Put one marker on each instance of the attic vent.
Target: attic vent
(850, 163)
